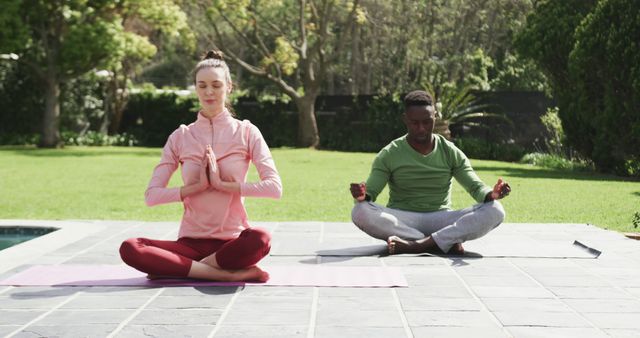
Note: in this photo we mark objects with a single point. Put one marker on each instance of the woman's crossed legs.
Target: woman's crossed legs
(212, 259)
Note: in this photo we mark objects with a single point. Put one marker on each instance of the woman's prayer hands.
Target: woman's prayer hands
(213, 172)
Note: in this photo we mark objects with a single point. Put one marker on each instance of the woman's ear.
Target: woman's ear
(230, 89)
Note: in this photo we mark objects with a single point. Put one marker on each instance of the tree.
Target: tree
(516, 73)
(58, 40)
(604, 69)
(62, 40)
(459, 107)
(406, 43)
(148, 25)
(292, 44)
(589, 51)
(548, 38)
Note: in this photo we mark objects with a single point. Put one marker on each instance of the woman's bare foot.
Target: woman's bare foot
(201, 270)
(154, 277)
(211, 261)
(251, 274)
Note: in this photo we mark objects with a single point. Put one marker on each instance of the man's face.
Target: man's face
(419, 121)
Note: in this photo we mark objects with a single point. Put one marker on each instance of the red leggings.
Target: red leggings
(174, 258)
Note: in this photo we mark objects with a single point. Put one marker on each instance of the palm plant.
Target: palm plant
(459, 107)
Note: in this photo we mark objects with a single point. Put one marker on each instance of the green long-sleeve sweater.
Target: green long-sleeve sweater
(422, 182)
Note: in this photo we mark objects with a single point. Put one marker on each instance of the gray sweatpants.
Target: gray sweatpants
(446, 227)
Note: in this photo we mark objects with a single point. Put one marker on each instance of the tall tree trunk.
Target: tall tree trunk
(307, 127)
(355, 59)
(118, 111)
(51, 119)
(331, 83)
(120, 97)
(105, 124)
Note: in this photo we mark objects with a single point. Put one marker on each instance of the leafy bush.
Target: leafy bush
(554, 161)
(152, 115)
(515, 73)
(548, 39)
(363, 124)
(554, 138)
(277, 120)
(82, 105)
(357, 124)
(589, 50)
(346, 123)
(22, 102)
(21, 96)
(606, 79)
(93, 138)
(631, 167)
(460, 107)
(485, 150)
(14, 139)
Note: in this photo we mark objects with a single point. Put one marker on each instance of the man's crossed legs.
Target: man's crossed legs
(408, 231)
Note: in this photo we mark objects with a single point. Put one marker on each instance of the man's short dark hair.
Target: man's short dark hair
(418, 98)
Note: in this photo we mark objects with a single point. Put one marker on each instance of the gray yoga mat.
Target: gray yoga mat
(517, 240)
(568, 249)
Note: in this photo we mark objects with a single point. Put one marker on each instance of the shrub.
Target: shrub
(606, 79)
(277, 120)
(152, 115)
(14, 139)
(93, 138)
(589, 50)
(459, 107)
(554, 161)
(22, 102)
(346, 123)
(554, 138)
(82, 105)
(363, 124)
(485, 150)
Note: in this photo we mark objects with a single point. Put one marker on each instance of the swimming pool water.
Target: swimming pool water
(10, 236)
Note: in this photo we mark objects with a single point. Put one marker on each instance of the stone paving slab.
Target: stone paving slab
(146, 331)
(72, 331)
(555, 295)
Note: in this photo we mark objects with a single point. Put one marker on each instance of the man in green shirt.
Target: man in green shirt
(419, 168)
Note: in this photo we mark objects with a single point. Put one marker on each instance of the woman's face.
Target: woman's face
(212, 89)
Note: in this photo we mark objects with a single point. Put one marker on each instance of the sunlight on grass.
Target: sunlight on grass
(109, 183)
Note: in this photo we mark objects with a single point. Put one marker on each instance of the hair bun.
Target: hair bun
(214, 54)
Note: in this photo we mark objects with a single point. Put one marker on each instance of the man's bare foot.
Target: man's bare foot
(456, 249)
(397, 245)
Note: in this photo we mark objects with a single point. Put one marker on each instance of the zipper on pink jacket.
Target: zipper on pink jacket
(211, 124)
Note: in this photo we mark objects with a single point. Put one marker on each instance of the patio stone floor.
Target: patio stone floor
(518, 294)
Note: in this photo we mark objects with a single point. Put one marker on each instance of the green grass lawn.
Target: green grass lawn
(109, 183)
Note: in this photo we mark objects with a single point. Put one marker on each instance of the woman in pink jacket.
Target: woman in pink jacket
(215, 241)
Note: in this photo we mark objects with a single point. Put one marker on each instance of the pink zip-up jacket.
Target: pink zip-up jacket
(213, 213)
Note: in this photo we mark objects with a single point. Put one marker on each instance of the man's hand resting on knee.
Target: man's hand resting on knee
(500, 190)
(359, 191)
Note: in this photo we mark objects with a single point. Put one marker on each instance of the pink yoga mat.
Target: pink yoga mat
(122, 275)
